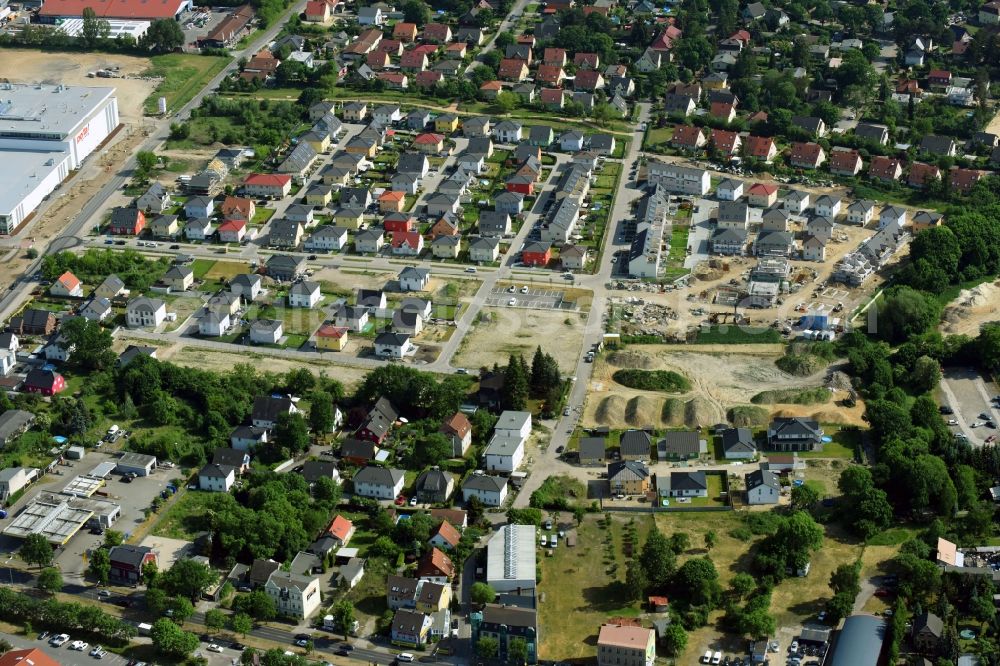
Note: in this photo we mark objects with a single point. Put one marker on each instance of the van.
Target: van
(545, 541)
(707, 657)
(717, 657)
(113, 430)
(404, 656)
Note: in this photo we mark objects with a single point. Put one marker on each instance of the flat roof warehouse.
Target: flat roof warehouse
(118, 9)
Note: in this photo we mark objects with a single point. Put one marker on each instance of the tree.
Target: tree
(481, 593)
(242, 624)
(49, 580)
(804, 497)
(711, 539)
(257, 604)
(658, 560)
(187, 578)
(215, 619)
(181, 609)
(36, 550)
(94, 29)
(150, 572)
(163, 36)
(839, 606)
(487, 647)
(680, 542)
(635, 579)
(145, 161)
(742, 584)
(113, 538)
(292, 433)
(171, 640)
(100, 565)
(517, 650)
(674, 640)
(507, 101)
(415, 11)
(697, 581)
(430, 449)
(926, 374)
(906, 313)
(321, 412)
(343, 615)
(157, 601)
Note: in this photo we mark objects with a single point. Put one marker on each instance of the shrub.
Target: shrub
(652, 380)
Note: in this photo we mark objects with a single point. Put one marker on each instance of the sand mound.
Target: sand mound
(745, 416)
(609, 409)
(641, 411)
(972, 307)
(830, 416)
(700, 412)
(631, 359)
(672, 413)
(840, 381)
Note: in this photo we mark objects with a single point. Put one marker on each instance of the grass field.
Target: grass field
(207, 269)
(183, 76)
(175, 522)
(737, 335)
(844, 444)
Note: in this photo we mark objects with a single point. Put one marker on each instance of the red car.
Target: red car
(401, 500)
(882, 592)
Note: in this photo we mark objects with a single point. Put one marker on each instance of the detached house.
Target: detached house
(807, 155)
(885, 169)
(922, 174)
(378, 482)
(845, 161)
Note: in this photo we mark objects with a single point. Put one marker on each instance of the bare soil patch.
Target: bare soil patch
(501, 332)
(974, 307)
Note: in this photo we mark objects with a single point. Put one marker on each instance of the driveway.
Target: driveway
(969, 397)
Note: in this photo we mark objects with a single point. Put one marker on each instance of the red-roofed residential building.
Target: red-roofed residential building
(391, 201)
(363, 44)
(456, 50)
(552, 98)
(665, 41)
(963, 180)
(726, 142)
(762, 195)
(938, 79)
(845, 162)
(807, 155)
(436, 32)
(394, 80)
(587, 61)
(550, 75)
(405, 32)
(513, 69)
(445, 536)
(67, 285)
(436, 566)
(741, 36)
(885, 169)
(409, 243)
(261, 67)
(553, 56)
(232, 231)
(428, 79)
(341, 529)
(393, 47)
(688, 137)
(377, 60)
(908, 87)
(318, 11)
(429, 142)
(238, 208)
(588, 80)
(490, 89)
(723, 111)
(267, 185)
(922, 174)
(331, 338)
(413, 61)
(761, 148)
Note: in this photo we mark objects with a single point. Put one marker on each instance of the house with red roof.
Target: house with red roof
(428, 79)
(429, 142)
(436, 567)
(318, 11)
(341, 529)
(552, 98)
(445, 536)
(513, 69)
(273, 185)
(587, 61)
(67, 285)
(413, 61)
(437, 32)
(456, 50)
(665, 41)
(490, 89)
(550, 75)
(885, 169)
(726, 142)
(963, 180)
(761, 148)
(238, 208)
(921, 174)
(261, 67)
(762, 195)
(938, 79)
(807, 155)
(845, 161)
(588, 80)
(405, 32)
(391, 201)
(688, 137)
(407, 243)
(27, 657)
(554, 56)
(377, 60)
(723, 111)
(394, 80)
(393, 47)
(232, 231)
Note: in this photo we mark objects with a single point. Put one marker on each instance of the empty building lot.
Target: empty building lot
(968, 395)
(534, 297)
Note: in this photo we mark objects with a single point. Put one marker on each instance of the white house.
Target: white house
(828, 206)
(214, 323)
(145, 312)
(414, 279)
(892, 215)
(304, 294)
(247, 286)
(514, 423)
(491, 490)
(729, 190)
(762, 487)
(378, 482)
(216, 478)
(796, 202)
(393, 345)
(266, 331)
(860, 212)
(15, 479)
(504, 452)
(294, 595)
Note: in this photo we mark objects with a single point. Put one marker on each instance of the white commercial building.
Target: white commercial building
(510, 558)
(45, 132)
(116, 28)
(677, 178)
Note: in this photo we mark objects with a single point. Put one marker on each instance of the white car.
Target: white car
(96, 651)
(79, 645)
(511, 289)
(513, 301)
(794, 647)
(214, 647)
(707, 657)
(104, 593)
(717, 657)
(404, 656)
(952, 421)
(57, 641)
(524, 289)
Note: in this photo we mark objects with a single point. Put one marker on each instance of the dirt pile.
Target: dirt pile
(972, 308)
(747, 416)
(672, 413)
(641, 411)
(701, 412)
(635, 360)
(610, 409)
(839, 381)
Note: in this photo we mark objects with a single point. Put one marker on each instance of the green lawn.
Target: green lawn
(657, 136)
(678, 245)
(183, 76)
(200, 267)
(175, 523)
(844, 444)
(262, 215)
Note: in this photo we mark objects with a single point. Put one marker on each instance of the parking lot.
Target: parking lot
(969, 397)
(526, 297)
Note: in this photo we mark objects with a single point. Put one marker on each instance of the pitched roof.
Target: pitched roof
(340, 528)
(447, 532)
(436, 562)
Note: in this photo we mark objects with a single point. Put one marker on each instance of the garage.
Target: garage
(136, 463)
